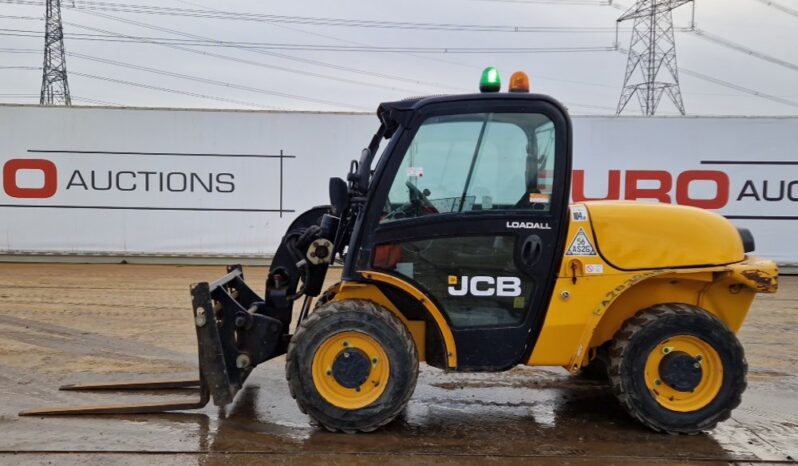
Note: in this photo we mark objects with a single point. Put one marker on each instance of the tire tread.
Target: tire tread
(624, 338)
(363, 306)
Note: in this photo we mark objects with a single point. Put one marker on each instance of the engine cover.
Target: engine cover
(634, 235)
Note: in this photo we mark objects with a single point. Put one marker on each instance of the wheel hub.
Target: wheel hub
(351, 368)
(684, 373)
(681, 371)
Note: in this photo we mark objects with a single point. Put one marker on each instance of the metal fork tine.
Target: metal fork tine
(137, 408)
(134, 385)
(142, 408)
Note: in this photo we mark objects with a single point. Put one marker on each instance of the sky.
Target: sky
(588, 81)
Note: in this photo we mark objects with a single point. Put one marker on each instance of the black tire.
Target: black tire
(374, 321)
(597, 369)
(641, 335)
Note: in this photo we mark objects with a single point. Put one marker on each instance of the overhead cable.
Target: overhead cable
(212, 82)
(322, 21)
(298, 59)
(743, 49)
(172, 91)
(311, 47)
(780, 7)
(305, 73)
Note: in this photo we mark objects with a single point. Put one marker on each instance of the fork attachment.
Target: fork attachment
(236, 331)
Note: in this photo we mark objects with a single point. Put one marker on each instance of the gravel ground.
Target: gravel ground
(64, 323)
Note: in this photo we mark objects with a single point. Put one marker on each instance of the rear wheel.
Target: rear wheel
(677, 368)
(352, 366)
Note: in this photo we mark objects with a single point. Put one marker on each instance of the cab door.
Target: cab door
(470, 206)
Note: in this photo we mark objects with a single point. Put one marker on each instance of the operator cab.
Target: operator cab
(468, 203)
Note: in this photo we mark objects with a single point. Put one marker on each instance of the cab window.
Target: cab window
(474, 162)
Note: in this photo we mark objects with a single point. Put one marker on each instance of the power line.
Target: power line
(152, 87)
(339, 39)
(321, 21)
(426, 58)
(172, 91)
(780, 7)
(26, 18)
(212, 82)
(298, 59)
(737, 87)
(75, 98)
(570, 104)
(29, 68)
(95, 101)
(17, 50)
(743, 49)
(313, 47)
(253, 63)
(261, 64)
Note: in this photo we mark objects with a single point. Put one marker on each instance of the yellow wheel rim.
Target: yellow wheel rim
(711, 376)
(333, 370)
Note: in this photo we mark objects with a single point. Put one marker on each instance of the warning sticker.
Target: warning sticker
(579, 213)
(594, 268)
(581, 245)
(415, 171)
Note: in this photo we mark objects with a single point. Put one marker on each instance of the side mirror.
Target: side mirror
(339, 196)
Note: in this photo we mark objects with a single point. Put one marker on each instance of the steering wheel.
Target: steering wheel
(419, 204)
(419, 197)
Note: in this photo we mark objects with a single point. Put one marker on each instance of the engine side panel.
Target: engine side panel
(592, 298)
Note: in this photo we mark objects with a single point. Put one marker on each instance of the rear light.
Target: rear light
(386, 256)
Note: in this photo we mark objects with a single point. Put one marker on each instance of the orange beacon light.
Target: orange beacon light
(519, 82)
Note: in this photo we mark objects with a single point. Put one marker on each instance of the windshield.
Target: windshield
(475, 162)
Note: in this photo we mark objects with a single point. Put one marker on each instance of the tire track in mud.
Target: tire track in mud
(107, 308)
(74, 341)
(773, 428)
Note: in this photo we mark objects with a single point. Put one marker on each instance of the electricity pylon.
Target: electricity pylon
(652, 47)
(55, 87)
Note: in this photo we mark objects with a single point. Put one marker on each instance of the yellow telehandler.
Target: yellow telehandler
(460, 249)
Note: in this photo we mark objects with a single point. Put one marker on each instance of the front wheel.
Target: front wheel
(677, 368)
(352, 366)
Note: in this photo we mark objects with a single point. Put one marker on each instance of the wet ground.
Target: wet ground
(68, 323)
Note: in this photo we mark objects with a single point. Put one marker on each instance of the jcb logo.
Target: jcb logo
(484, 286)
(46, 168)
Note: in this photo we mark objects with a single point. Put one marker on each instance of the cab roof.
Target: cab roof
(396, 113)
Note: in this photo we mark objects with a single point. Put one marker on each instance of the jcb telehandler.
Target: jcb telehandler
(460, 249)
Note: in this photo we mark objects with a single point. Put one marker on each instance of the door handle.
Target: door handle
(531, 250)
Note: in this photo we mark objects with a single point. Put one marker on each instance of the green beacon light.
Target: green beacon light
(490, 81)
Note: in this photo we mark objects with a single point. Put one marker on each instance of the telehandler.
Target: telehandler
(460, 249)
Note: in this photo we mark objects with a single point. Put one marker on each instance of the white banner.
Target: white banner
(743, 168)
(166, 181)
(137, 181)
